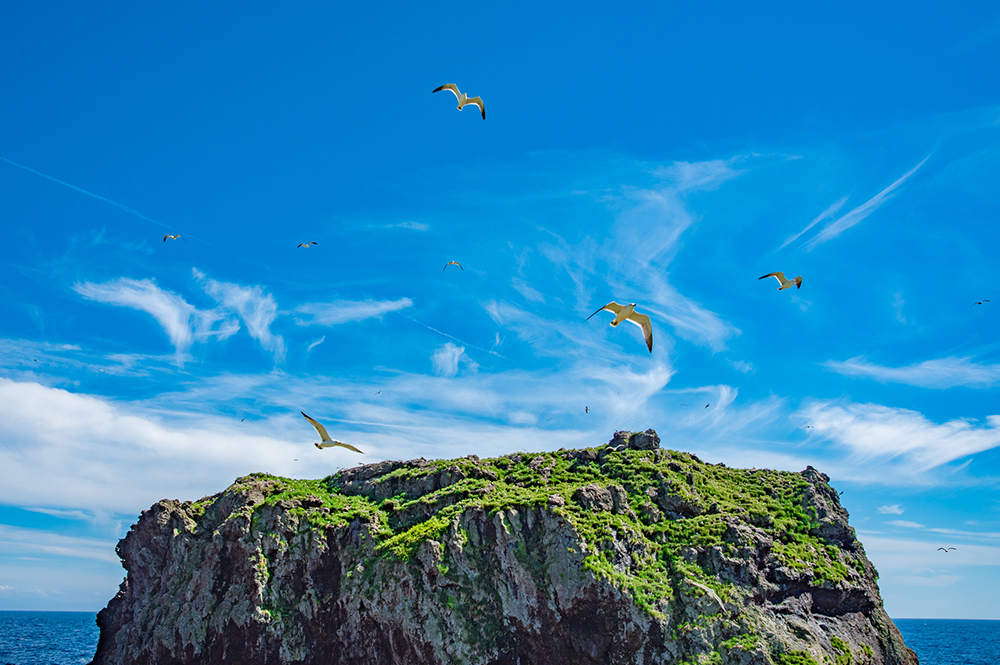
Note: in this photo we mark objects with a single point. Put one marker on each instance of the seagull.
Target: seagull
(946, 550)
(452, 263)
(785, 283)
(586, 409)
(102, 370)
(711, 593)
(379, 392)
(172, 237)
(628, 313)
(462, 98)
(979, 303)
(707, 405)
(810, 427)
(242, 419)
(327, 442)
(305, 244)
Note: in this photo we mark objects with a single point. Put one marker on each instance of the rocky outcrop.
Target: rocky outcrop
(625, 553)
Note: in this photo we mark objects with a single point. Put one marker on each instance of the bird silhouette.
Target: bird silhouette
(172, 237)
(946, 550)
(785, 283)
(452, 263)
(306, 244)
(463, 99)
(979, 303)
(628, 313)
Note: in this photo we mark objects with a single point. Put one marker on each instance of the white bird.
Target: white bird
(326, 441)
(785, 283)
(305, 244)
(711, 593)
(628, 313)
(462, 98)
(172, 237)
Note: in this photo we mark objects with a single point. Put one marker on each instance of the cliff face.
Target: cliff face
(624, 553)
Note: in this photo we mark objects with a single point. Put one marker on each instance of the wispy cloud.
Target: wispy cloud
(257, 309)
(906, 525)
(316, 343)
(743, 366)
(897, 306)
(446, 359)
(949, 372)
(183, 322)
(120, 206)
(894, 509)
(23, 541)
(872, 431)
(856, 215)
(829, 212)
(343, 311)
(414, 226)
(526, 290)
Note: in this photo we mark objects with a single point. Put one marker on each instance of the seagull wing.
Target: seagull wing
(780, 276)
(643, 322)
(165, 237)
(942, 549)
(611, 307)
(347, 445)
(323, 436)
(478, 101)
(449, 86)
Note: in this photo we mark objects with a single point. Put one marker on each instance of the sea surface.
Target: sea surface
(70, 638)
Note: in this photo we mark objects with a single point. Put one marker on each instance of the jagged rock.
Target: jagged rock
(532, 558)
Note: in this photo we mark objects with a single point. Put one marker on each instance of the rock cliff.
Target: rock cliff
(624, 553)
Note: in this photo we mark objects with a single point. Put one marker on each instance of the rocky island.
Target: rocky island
(622, 553)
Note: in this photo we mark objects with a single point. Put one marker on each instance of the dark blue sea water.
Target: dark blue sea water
(952, 641)
(70, 638)
(47, 638)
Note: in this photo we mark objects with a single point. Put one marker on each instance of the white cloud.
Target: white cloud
(829, 212)
(414, 226)
(897, 306)
(316, 343)
(527, 291)
(906, 525)
(445, 359)
(873, 431)
(343, 311)
(947, 372)
(855, 216)
(257, 309)
(742, 366)
(183, 322)
(21, 541)
(894, 509)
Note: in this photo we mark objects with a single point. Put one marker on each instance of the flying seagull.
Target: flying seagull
(326, 441)
(979, 303)
(946, 550)
(452, 263)
(711, 593)
(172, 237)
(305, 244)
(586, 409)
(628, 313)
(785, 283)
(462, 98)
(707, 405)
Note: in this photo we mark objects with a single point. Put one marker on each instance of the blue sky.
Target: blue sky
(661, 154)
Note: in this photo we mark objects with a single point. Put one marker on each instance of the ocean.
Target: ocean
(70, 638)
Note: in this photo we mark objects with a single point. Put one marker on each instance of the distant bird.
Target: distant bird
(463, 100)
(946, 550)
(36, 360)
(628, 313)
(326, 441)
(710, 592)
(586, 409)
(683, 404)
(785, 283)
(840, 493)
(305, 244)
(810, 427)
(172, 237)
(379, 392)
(242, 419)
(102, 370)
(706, 406)
(979, 303)
(452, 263)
